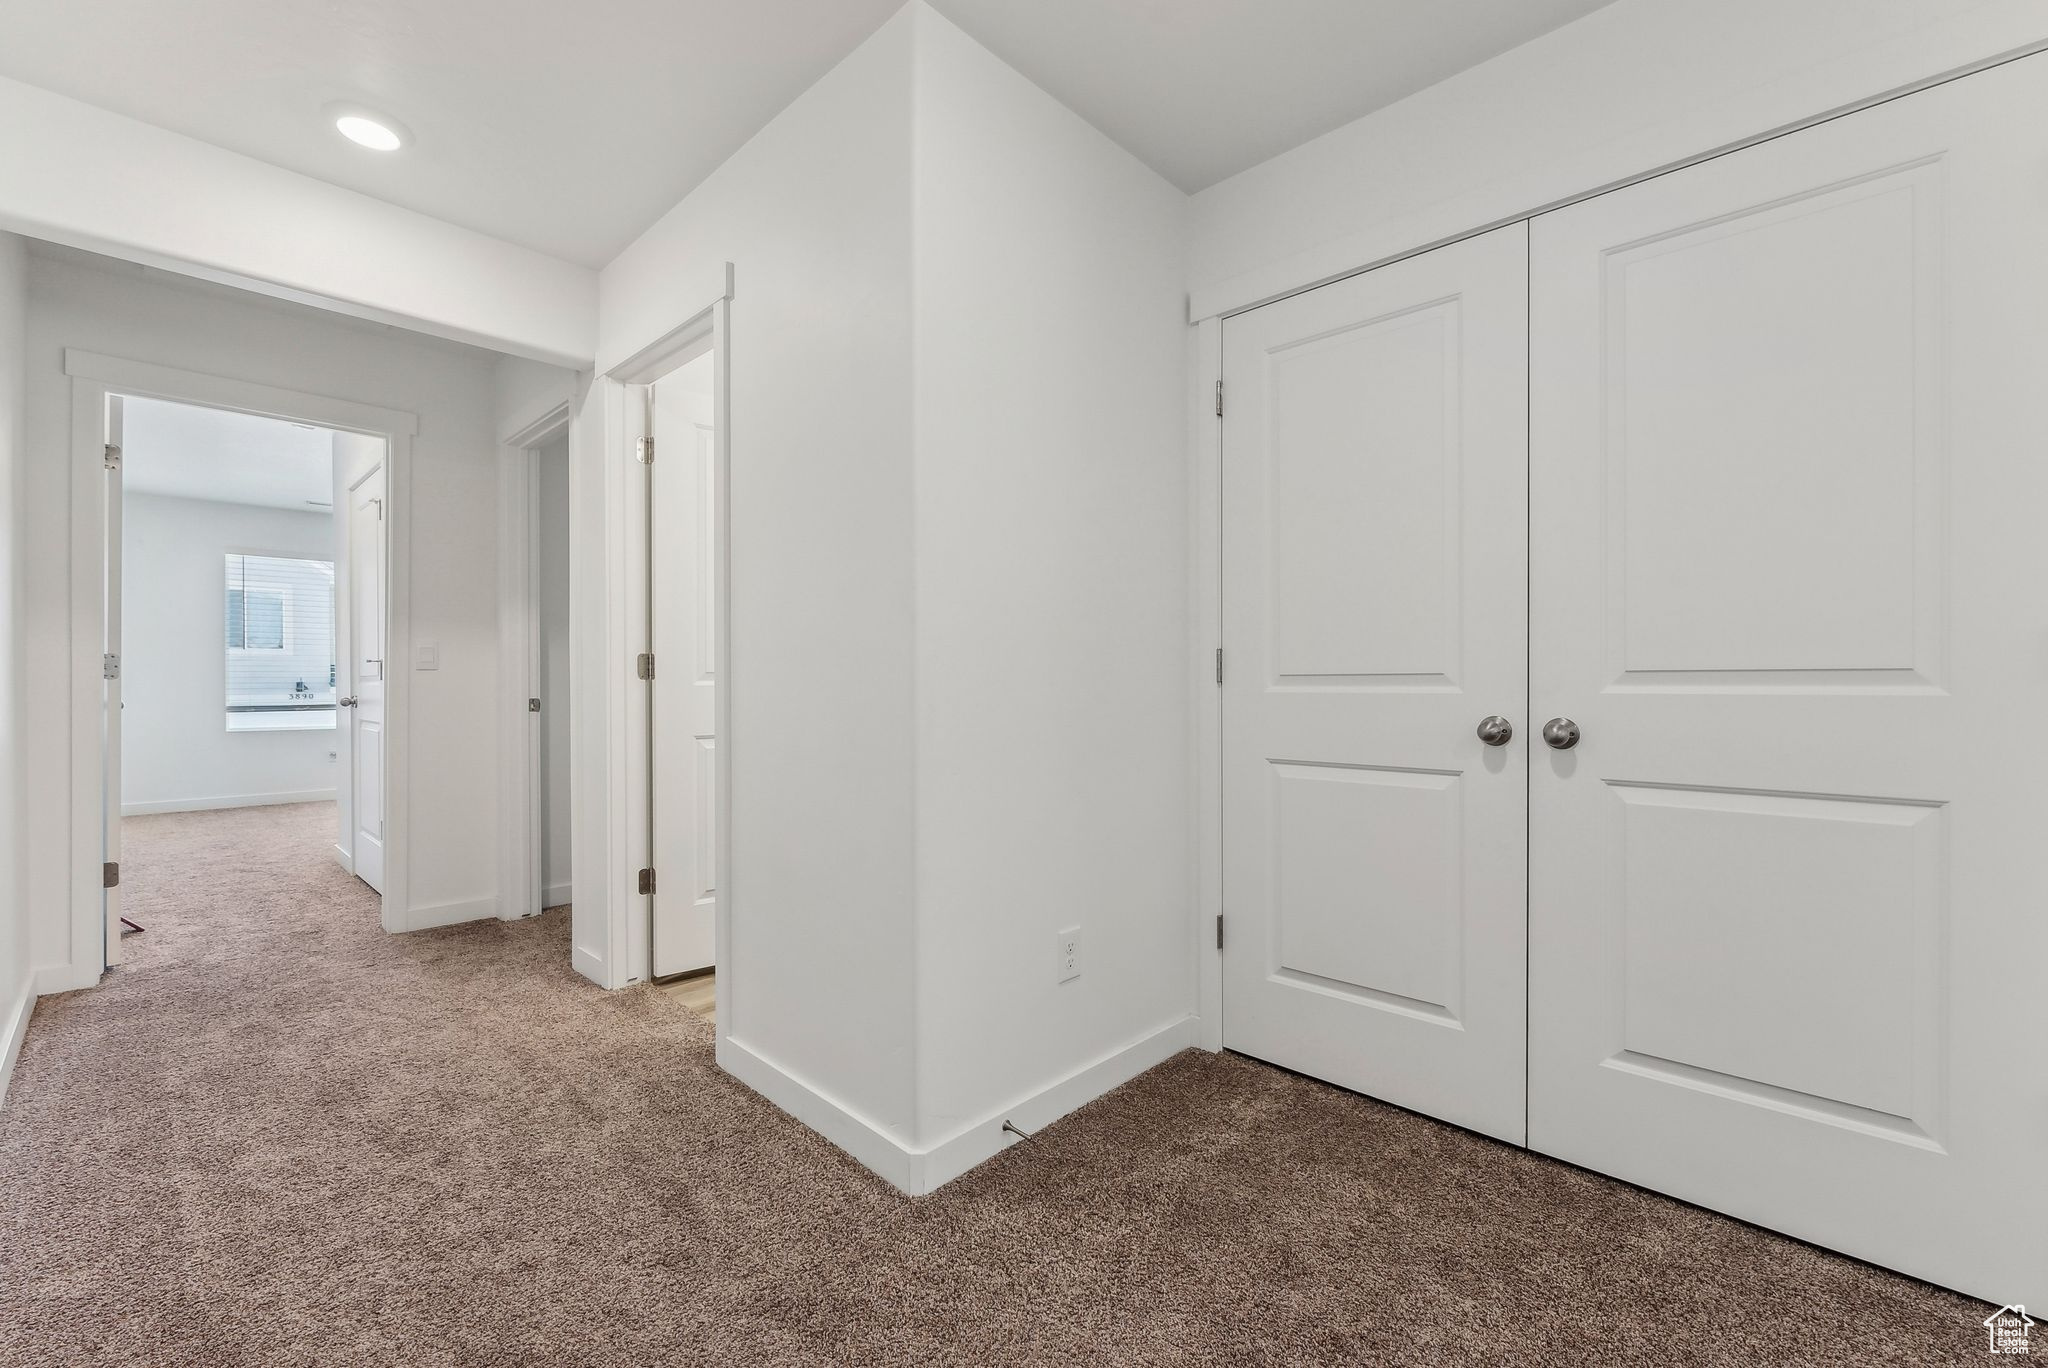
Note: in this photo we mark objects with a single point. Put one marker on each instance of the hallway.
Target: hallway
(279, 1135)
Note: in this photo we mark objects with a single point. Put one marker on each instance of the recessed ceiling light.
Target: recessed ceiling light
(378, 132)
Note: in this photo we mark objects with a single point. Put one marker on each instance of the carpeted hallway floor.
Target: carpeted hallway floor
(280, 1136)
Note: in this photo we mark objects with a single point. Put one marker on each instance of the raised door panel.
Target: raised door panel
(1367, 899)
(1365, 501)
(1763, 368)
(1787, 948)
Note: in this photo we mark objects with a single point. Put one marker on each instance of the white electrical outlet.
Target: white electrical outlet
(1070, 954)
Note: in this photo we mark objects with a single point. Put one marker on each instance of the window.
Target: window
(255, 618)
(280, 643)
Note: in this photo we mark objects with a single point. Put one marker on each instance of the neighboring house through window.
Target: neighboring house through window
(280, 642)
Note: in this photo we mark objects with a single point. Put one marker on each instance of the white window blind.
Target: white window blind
(280, 642)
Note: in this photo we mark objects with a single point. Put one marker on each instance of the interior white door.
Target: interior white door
(1786, 892)
(110, 770)
(683, 557)
(366, 674)
(1375, 612)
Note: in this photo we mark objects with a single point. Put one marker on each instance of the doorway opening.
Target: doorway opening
(244, 618)
(222, 643)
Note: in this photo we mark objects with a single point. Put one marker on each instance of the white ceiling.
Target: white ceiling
(1202, 89)
(569, 127)
(565, 125)
(203, 453)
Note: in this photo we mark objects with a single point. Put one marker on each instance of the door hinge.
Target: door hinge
(110, 456)
(1219, 398)
(1219, 930)
(1219, 665)
(110, 874)
(647, 881)
(643, 450)
(533, 705)
(110, 667)
(643, 665)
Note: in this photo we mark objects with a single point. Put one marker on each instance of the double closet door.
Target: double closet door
(1636, 621)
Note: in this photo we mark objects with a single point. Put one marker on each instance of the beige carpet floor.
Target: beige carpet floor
(280, 1136)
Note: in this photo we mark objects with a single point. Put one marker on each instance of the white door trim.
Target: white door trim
(1205, 507)
(93, 378)
(519, 732)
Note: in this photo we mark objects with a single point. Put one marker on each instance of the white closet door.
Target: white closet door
(1789, 579)
(1375, 612)
(683, 557)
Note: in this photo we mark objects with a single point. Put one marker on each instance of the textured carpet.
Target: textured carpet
(280, 1136)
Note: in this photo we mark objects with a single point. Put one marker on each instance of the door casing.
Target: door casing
(623, 836)
(94, 378)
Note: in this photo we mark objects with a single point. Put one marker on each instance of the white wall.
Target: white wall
(815, 214)
(524, 391)
(15, 994)
(82, 176)
(958, 677)
(176, 751)
(1051, 495)
(552, 515)
(147, 316)
(1630, 87)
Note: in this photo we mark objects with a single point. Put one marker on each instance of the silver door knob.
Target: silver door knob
(1496, 730)
(348, 702)
(1560, 733)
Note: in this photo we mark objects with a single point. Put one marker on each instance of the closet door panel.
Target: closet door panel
(1786, 578)
(1375, 611)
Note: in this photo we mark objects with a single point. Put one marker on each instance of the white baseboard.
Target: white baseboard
(63, 978)
(233, 800)
(974, 1144)
(588, 964)
(451, 913)
(829, 1117)
(13, 1030)
(917, 1170)
(554, 895)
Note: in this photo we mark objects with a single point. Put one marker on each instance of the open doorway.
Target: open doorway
(245, 615)
(221, 625)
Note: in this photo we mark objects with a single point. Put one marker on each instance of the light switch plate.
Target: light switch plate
(429, 658)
